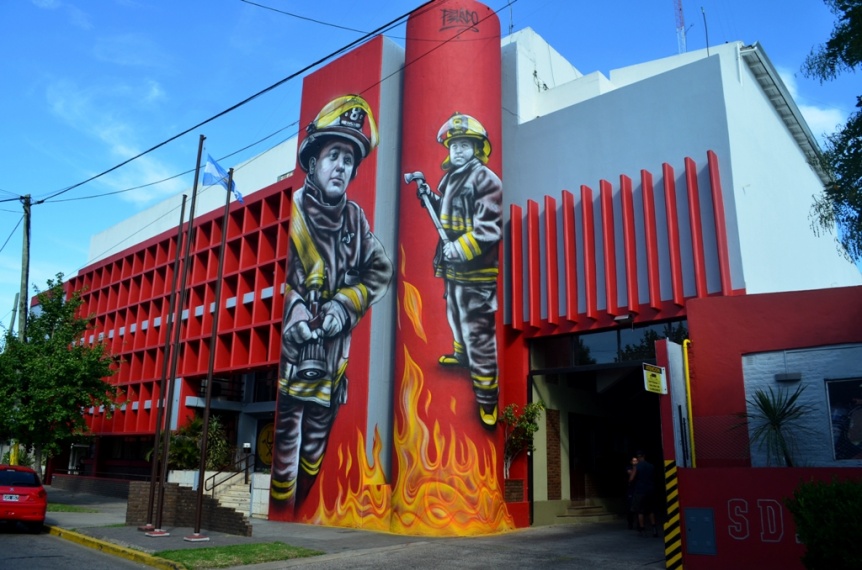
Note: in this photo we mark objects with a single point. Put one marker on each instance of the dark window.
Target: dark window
(265, 385)
(12, 478)
(620, 344)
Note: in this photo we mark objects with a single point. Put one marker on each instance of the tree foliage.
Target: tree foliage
(645, 347)
(840, 204)
(48, 377)
(184, 451)
(828, 523)
(519, 429)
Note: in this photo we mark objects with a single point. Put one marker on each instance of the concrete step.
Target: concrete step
(584, 519)
(585, 511)
(237, 497)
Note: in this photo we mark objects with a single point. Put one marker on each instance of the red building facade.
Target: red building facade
(587, 280)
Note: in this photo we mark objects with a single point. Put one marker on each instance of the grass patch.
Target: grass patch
(60, 508)
(239, 555)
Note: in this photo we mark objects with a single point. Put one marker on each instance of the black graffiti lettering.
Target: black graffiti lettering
(460, 18)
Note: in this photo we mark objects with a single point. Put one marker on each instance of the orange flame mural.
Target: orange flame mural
(446, 486)
(412, 302)
(368, 505)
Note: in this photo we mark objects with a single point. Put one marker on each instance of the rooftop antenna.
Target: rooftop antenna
(705, 30)
(680, 25)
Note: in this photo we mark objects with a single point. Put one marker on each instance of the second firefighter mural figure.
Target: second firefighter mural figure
(337, 269)
(467, 209)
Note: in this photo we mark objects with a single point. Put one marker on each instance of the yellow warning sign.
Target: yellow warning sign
(654, 379)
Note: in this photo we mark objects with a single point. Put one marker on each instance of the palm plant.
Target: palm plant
(773, 418)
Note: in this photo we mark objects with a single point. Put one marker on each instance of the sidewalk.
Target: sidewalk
(601, 545)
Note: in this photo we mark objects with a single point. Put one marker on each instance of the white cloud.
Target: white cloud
(822, 120)
(77, 17)
(101, 114)
(47, 4)
(132, 50)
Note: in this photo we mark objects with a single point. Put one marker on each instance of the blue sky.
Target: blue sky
(87, 85)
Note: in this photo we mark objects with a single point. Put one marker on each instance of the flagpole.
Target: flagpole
(177, 322)
(156, 457)
(197, 536)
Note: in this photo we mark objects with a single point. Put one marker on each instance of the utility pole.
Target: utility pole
(22, 296)
(25, 270)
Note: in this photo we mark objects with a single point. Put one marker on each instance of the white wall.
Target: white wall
(813, 434)
(663, 118)
(591, 128)
(773, 188)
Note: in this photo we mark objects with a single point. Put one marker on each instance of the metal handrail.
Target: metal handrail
(237, 468)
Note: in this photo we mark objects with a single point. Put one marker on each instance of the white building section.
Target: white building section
(563, 129)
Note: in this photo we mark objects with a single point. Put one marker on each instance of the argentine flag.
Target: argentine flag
(215, 174)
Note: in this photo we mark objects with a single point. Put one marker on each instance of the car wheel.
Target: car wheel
(36, 527)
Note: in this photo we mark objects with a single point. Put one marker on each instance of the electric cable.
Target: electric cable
(235, 106)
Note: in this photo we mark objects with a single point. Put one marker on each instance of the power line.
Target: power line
(12, 233)
(169, 178)
(298, 17)
(294, 133)
(235, 106)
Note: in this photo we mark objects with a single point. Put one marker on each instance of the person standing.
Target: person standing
(643, 477)
(337, 269)
(468, 203)
(631, 515)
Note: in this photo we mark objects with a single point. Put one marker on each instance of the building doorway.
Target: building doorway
(598, 414)
(614, 418)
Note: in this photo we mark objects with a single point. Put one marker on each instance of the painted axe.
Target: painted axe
(419, 178)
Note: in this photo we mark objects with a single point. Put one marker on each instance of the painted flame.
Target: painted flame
(366, 505)
(446, 486)
(413, 309)
(412, 302)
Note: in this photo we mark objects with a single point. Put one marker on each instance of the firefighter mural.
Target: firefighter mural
(447, 473)
(337, 269)
(466, 211)
(415, 449)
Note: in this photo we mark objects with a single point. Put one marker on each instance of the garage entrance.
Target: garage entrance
(598, 414)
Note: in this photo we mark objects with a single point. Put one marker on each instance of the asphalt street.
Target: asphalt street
(596, 545)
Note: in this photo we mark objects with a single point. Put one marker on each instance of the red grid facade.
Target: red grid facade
(127, 297)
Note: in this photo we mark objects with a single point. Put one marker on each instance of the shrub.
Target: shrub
(519, 429)
(828, 523)
(24, 458)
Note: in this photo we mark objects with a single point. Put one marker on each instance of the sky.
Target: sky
(88, 85)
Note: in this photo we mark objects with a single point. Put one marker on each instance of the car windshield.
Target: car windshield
(11, 478)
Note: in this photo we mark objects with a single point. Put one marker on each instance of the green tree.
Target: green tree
(519, 429)
(645, 347)
(184, 451)
(52, 374)
(840, 204)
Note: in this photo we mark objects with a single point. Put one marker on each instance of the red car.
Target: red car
(22, 497)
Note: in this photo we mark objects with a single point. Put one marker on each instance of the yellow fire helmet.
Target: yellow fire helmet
(460, 125)
(347, 117)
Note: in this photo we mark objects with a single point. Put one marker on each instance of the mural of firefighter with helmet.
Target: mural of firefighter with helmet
(466, 211)
(337, 268)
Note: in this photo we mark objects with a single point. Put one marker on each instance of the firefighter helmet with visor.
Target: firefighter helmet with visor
(349, 118)
(460, 125)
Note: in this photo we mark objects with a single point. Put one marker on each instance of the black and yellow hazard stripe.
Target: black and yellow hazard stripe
(672, 535)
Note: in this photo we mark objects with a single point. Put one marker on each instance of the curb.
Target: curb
(115, 549)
